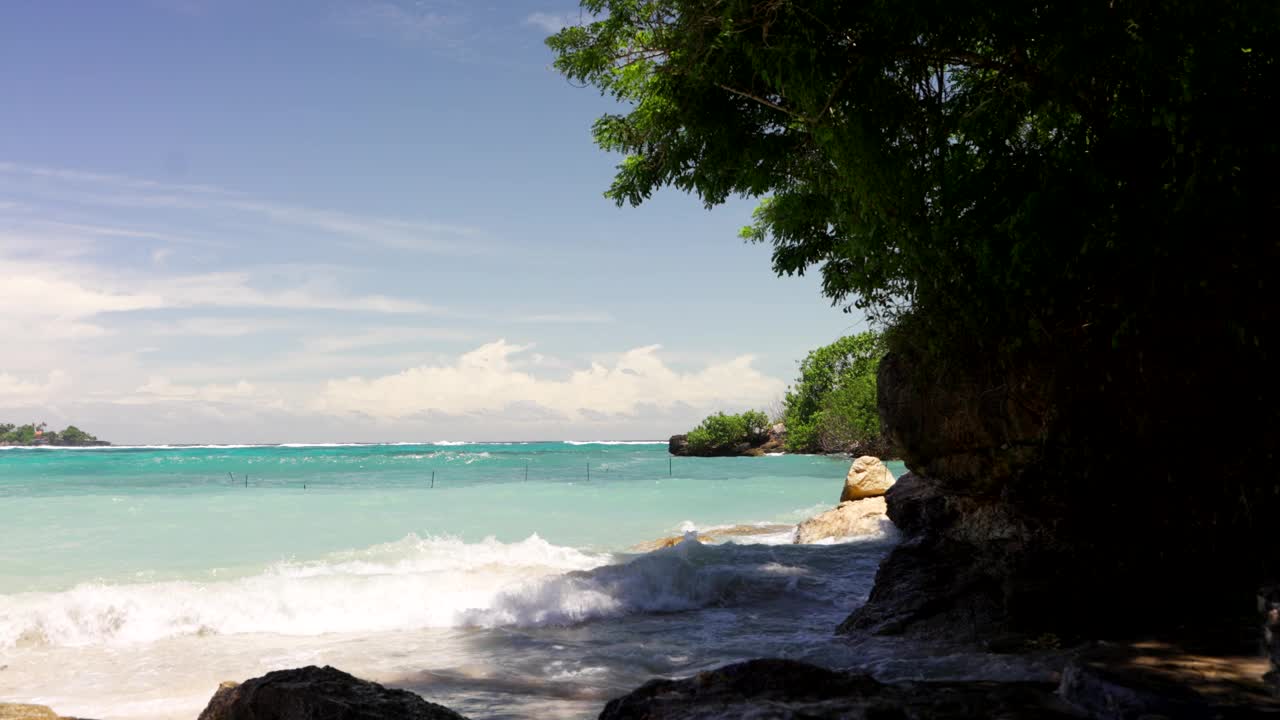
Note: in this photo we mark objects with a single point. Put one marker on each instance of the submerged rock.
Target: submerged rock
(315, 693)
(868, 477)
(860, 517)
(786, 689)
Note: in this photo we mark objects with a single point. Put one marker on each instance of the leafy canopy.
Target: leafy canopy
(1015, 174)
(721, 432)
(832, 405)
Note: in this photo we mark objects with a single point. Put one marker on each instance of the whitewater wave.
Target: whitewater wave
(615, 442)
(409, 584)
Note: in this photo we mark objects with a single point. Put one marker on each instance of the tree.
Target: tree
(1071, 204)
(728, 433)
(832, 405)
(1009, 175)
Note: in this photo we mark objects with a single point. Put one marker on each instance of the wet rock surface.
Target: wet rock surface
(773, 688)
(318, 693)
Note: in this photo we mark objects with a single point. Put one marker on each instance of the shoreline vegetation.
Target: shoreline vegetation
(829, 410)
(38, 435)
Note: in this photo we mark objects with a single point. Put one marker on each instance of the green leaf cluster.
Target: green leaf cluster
(832, 405)
(721, 432)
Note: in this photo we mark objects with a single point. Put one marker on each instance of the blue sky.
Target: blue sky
(327, 220)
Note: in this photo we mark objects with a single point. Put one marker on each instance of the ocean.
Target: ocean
(501, 579)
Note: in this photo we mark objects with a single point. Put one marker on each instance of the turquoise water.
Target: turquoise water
(150, 574)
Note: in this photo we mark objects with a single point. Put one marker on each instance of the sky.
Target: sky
(354, 220)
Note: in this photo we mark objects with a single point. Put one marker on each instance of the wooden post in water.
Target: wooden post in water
(526, 471)
(233, 477)
(588, 472)
(246, 479)
(433, 478)
(669, 470)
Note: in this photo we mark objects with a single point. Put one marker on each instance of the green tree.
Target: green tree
(832, 405)
(1002, 175)
(727, 433)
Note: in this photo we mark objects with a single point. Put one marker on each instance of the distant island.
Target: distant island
(38, 434)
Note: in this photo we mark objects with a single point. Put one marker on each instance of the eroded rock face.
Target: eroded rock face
(861, 517)
(867, 478)
(1038, 503)
(315, 693)
(785, 689)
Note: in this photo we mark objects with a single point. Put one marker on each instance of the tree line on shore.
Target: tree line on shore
(39, 434)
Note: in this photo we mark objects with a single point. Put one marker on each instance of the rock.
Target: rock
(18, 711)
(1269, 609)
(678, 445)
(868, 477)
(14, 711)
(314, 693)
(786, 689)
(860, 517)
(716, 535)
(1152, 679)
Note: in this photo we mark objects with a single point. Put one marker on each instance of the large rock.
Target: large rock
(315, 693)
(867, 478)
(848, 519)
(790, 690)
(1160, 680)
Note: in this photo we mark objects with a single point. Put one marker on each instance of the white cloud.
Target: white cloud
(410, 20)
(552, 22)
(486, 380)
(15, 390)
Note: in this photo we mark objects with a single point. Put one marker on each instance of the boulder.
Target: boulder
(315, 693)
(1155, 679)
(790, 690)
(860, 517)
(867, 478)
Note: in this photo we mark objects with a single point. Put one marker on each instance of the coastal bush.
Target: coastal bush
(721, 431)
(832, 405)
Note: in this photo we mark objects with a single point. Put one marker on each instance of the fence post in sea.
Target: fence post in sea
(246, 479)
(433, 478)
(588, 472)
(670, 472)
(526, 471)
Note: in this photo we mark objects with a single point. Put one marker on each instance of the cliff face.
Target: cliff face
(1034, 505)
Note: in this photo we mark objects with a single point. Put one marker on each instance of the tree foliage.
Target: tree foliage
(36, 434)
(1016, 176)
(722, 433)
(832, 405)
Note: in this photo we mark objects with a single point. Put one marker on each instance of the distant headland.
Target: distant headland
(39, 434)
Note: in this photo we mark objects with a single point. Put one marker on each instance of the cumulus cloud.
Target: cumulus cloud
(490, 380)
(16, 391)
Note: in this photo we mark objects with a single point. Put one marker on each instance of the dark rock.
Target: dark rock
(678, 445)
(772, 688)
(1123, 681)
(1029, 510)
(315, 693)
(1269, 609)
